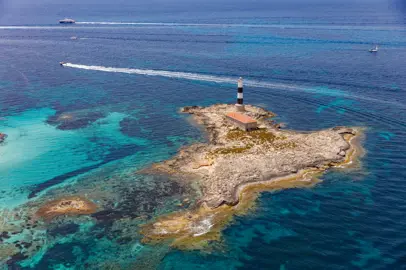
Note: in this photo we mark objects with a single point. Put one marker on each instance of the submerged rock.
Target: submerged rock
(66, 206)
(3, 137)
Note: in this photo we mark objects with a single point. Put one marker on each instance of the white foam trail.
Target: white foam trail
(185, 75)
(232, 80)
(178, 24)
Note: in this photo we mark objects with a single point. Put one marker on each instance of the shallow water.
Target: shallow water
(311, 67)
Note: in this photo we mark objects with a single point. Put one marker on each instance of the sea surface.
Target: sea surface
(130, 69)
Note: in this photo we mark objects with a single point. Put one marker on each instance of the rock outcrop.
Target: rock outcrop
(67, 206)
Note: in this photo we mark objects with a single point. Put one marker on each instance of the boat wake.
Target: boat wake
(195, 77)
(185, 24)
(240, 25)
(325, 91)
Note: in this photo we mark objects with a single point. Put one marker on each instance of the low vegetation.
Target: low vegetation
(231, 150)
(247, 140)
(259, 136)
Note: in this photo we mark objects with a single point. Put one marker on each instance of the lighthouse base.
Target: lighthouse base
(240, 107)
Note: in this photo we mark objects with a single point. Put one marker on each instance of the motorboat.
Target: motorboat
(67, 21)
(373, 50)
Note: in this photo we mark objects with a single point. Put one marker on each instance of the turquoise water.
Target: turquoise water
(122, 92)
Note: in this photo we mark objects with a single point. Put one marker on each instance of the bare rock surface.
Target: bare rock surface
(233, 158)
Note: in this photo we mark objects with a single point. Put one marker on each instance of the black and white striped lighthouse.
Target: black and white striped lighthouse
(240, 101)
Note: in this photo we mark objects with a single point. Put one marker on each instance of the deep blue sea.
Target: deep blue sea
(133, 65)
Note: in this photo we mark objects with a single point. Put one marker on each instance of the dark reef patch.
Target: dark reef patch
(72, 121)
(148, 195)
(67, 255)
(157, 126)
(63, 230)
(130, 127)
(141, 198)
(4, 235)
(12, 263)
(108, 215)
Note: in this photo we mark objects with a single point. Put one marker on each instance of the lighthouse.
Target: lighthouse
(240, 101)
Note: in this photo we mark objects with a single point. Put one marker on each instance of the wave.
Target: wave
(326, 91)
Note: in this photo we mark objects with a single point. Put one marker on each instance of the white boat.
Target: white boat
(67, 20)
(374, 49)
(73, 38)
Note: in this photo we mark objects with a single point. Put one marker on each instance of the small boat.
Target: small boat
(73, 38)
(374, 49)
(62, 63)
(67, 21)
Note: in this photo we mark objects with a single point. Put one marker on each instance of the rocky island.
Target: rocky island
(234, 161)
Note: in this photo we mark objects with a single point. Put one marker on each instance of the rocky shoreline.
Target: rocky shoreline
(233, 158)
